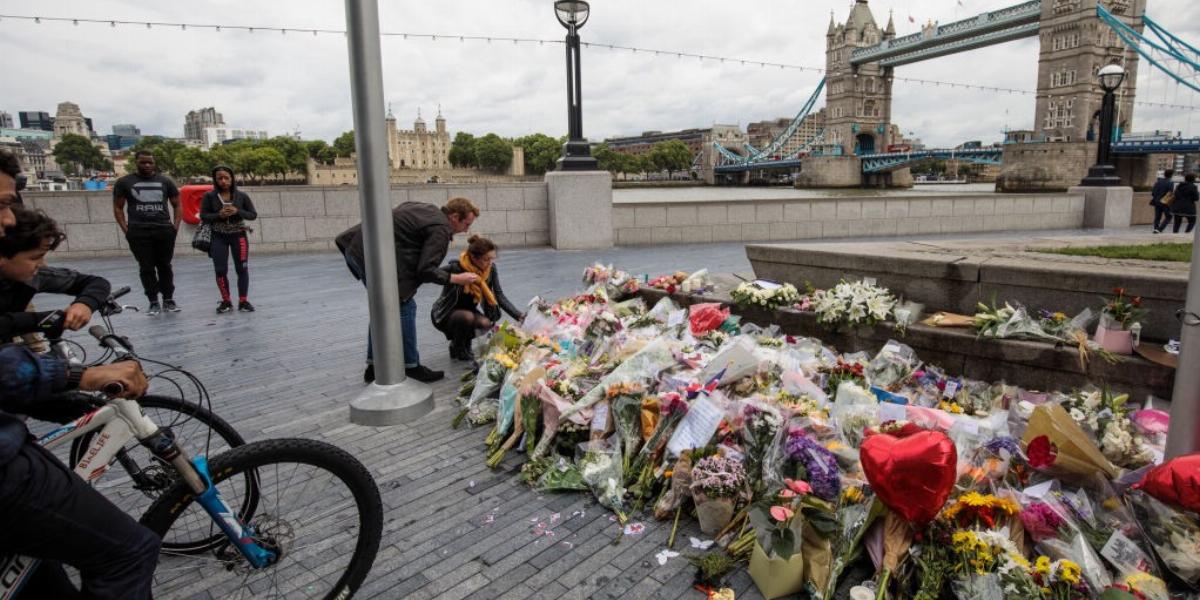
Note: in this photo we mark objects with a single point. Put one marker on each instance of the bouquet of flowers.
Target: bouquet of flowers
(1107, 416)
(717, 484)
(1121, 311)
(600, 467)
(894, 363)
(1058, 536)
(625, 398)
(819, 463)
(853, 303)
(771, 297)
(1008, 321)
(1174, 534)
(760, 425)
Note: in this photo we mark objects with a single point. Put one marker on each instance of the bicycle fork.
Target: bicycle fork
(195, 474)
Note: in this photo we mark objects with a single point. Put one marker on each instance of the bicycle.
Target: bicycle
(259, 548)
(145, 477)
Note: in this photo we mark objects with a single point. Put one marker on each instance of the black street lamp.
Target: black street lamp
(1103, 173)
(577, 155)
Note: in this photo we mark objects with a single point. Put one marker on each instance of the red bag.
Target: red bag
(189, 197)
(707, 317)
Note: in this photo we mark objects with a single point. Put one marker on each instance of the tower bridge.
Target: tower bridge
(1076, 38)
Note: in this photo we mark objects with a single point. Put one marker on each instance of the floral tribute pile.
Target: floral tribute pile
(836, 475)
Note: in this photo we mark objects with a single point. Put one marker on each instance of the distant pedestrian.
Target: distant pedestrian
(1161, 197)
(421, 233)
(227, 209)
(1184, 206)
(464, 310)
(150, 228)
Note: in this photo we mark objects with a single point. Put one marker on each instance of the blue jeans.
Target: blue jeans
(1161, 213)
(408, 320)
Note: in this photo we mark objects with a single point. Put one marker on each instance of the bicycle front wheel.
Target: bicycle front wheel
(317, 508)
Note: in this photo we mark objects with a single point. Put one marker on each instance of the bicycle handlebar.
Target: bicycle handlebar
(110, 341)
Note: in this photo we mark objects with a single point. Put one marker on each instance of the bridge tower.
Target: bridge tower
(1075, 43)
(858, 99)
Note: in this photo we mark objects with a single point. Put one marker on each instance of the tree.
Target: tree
(607, 158)
(541, 152)
(493, 152)
(164, 152)
(192, 162)
(76, 154)
(462, 150)
(292, 150)
(344, 144)
(670, 156)
(320, 151)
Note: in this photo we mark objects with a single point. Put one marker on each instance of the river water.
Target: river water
(724, 194)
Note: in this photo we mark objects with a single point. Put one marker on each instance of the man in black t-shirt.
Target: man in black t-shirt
(150, 228)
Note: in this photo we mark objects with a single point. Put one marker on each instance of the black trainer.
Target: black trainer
(154, 309)
(369, 374)
(424, 374)
(224, 307)
(170, 306)
(245, 306)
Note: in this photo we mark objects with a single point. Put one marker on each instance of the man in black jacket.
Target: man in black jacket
(150, 228)
(422, 235)
(23, 274)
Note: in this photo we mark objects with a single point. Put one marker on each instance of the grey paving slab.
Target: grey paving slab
(453, 528)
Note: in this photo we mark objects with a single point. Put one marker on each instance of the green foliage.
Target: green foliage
(462, 150)
(320, 151)
(344, 144)
(541, 152)
(618, 162)
(670, 156)
(493, 152)
(1162, 252)
(76, 154)
(252, 160)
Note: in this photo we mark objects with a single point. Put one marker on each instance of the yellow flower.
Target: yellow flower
(1147, 583)
(852, 495)
(506, 361)
(974, 499)
(1070, 572)
(1042, 565)
(1046, 591)
(1058, 316)
(1019, 560)
(1006, 505)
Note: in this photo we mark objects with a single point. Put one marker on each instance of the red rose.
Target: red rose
(1119, 291)
(1041, 452)
(1137, 301)
(671, 289)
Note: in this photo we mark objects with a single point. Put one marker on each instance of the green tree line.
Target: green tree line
(77, 155)
(280, 158)
(671, 156)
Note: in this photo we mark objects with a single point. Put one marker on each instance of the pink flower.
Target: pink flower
(800, 487)
(786, 493)
(782, 513)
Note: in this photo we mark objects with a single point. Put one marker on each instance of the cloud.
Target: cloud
(267, 80)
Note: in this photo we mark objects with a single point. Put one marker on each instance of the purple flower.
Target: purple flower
(819, 463)
(1003, 443)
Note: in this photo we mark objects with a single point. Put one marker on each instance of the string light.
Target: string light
(541, 42)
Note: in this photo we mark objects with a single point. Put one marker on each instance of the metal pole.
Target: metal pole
(370, 139)
(392, 398)
(578, 83)
(572, 130)
(1183, 437)
(1107, 107)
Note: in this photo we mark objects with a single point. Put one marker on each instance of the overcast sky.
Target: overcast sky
(129, 74)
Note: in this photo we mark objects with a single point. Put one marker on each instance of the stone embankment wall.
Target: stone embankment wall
(307, 218)
(786, 220)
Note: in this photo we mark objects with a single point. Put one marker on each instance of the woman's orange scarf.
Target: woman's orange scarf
(480, 288)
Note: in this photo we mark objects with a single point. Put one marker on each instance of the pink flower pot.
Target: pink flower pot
(1117, 341)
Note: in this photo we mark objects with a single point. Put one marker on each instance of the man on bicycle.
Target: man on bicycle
(23, 273)
(46, 511)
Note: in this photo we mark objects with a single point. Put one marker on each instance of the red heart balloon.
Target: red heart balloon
(1175, 482)
(912, 473)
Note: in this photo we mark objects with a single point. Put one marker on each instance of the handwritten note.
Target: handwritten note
(698, 426)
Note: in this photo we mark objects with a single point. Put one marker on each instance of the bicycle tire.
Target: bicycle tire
(184, 575)
(136, 500)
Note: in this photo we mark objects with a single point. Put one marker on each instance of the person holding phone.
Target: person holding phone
(226, 209)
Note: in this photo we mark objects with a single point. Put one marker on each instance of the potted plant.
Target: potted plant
(776, 565)
(717, 483)
(1118, 314)
(712, 568)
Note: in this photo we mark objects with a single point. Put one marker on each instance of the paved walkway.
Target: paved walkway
(454, 529)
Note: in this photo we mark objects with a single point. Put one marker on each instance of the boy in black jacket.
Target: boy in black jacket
(23, 274)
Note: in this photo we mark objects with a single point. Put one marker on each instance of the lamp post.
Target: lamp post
(1103, 173)
(577, 156)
